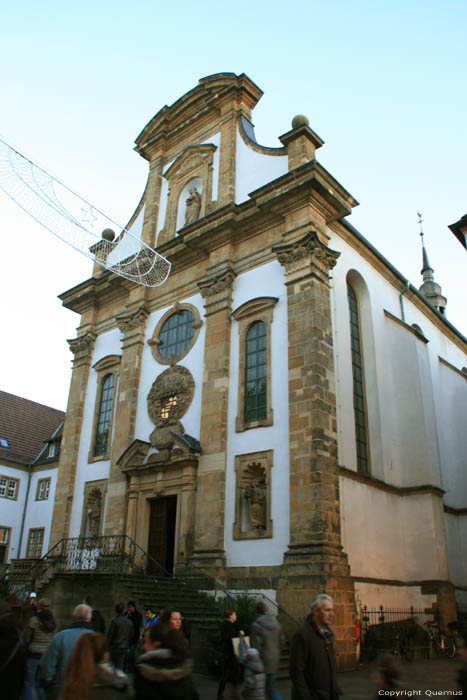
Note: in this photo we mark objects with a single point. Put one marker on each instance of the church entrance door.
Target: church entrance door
(161, 538)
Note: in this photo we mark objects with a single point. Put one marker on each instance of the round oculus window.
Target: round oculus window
(176, 334)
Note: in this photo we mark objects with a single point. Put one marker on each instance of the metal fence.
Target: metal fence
(382, 615)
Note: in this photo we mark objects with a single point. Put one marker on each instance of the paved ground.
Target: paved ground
(422, 676)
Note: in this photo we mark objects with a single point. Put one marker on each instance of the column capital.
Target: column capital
(82, 347)
(132, 325)
(217, 291)
(305, 256)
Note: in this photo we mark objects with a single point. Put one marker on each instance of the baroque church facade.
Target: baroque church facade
(287, 411)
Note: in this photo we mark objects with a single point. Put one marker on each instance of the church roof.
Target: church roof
(24, 427)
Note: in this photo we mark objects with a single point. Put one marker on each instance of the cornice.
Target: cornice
(460, 372)
(422, 489)
(459, 512)
(405, 325)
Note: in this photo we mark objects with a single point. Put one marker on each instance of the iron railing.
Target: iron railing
(381, 615)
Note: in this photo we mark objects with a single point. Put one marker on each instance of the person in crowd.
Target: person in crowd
(150, 618)
(387, 674)
(90, 676)
(312, 661)
(97, 620)
(164, 669)
(230, 676)
(136, 619)
(462, 675)
(12, 655)
(28, 610)
(55, 658)
(120, 637)
(37, 637)
(267, 637)
(254, 678)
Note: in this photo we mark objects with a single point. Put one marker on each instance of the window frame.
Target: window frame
(246, 315)
(45, 481)
(7, 486)
(36, 545)
(358, 412)
(7, 530)
(154, 341)
(109, 365)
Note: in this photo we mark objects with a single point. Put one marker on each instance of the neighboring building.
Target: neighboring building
(459, 229)
(286, 411)
(30, 436)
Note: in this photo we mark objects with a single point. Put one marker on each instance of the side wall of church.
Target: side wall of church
(416, 398)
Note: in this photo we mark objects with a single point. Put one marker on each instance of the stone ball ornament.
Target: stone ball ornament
(300, 120)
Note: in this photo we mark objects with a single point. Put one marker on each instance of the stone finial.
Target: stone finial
(108, 234)
(300, 120)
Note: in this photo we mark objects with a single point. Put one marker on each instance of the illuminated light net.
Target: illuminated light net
(70, 217)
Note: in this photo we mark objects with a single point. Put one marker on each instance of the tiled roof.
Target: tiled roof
(26, 425)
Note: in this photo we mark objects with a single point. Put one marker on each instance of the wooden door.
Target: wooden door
(161, 538)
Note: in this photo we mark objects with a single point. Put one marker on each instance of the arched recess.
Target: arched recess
(358, 286)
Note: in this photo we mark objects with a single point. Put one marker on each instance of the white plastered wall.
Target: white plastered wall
(11, 510)
(106, 344)
(39, 513)
(150, 370)
(255, 169)
(263, 281)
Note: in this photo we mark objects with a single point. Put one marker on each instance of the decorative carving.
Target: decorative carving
(94, 505)
(254, 483)
(168, 400)
(310, 246)
(223, 282)
(133, 321)
(193, 206)
(253, 496)
(83, 344)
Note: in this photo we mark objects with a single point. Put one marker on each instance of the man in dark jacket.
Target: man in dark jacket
(312, 661)
(120, 636)
(266, 636)
(230, 678)
(136, 620)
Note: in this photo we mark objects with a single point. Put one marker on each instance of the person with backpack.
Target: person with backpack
(37, 636)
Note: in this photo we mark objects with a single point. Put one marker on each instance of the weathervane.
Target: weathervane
(420, 222)
(72, 219)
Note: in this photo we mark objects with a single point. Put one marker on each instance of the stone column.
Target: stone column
(314, 561)
(132, 325)
(210, 501)
(81, 347)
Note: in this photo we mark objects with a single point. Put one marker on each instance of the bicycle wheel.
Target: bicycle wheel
(449, 647)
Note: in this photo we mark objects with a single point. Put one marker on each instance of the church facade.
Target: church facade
(287, 410)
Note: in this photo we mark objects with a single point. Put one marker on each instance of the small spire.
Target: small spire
(430, 289)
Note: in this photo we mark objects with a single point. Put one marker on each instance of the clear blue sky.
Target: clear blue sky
(384, 84)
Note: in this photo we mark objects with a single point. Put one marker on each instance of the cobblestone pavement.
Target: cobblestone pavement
(421, 676)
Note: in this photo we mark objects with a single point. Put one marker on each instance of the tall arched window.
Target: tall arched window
(256, 373)
(359, 401)
(105, 415)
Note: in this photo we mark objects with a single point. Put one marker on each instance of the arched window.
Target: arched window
(256, 373)
(105, 416)
(359, 400)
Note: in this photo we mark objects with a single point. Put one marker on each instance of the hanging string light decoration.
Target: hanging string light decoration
(77, 222)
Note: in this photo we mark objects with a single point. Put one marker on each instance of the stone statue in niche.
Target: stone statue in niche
(254, 492)
(193, 206)
(94, 513)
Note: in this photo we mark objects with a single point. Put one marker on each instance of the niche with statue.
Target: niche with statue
(253, 495)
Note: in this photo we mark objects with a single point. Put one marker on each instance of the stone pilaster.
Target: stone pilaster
(82, 348)
(132, 326)
(210, 504)
(314, 561)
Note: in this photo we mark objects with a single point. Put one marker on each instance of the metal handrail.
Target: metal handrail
(229, 596)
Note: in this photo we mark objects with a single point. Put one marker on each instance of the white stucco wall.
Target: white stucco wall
(263, 281)
(106, 344)
(400, 597)
(39, 513)
(150, 370)
(255, 169)
(11, 510)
